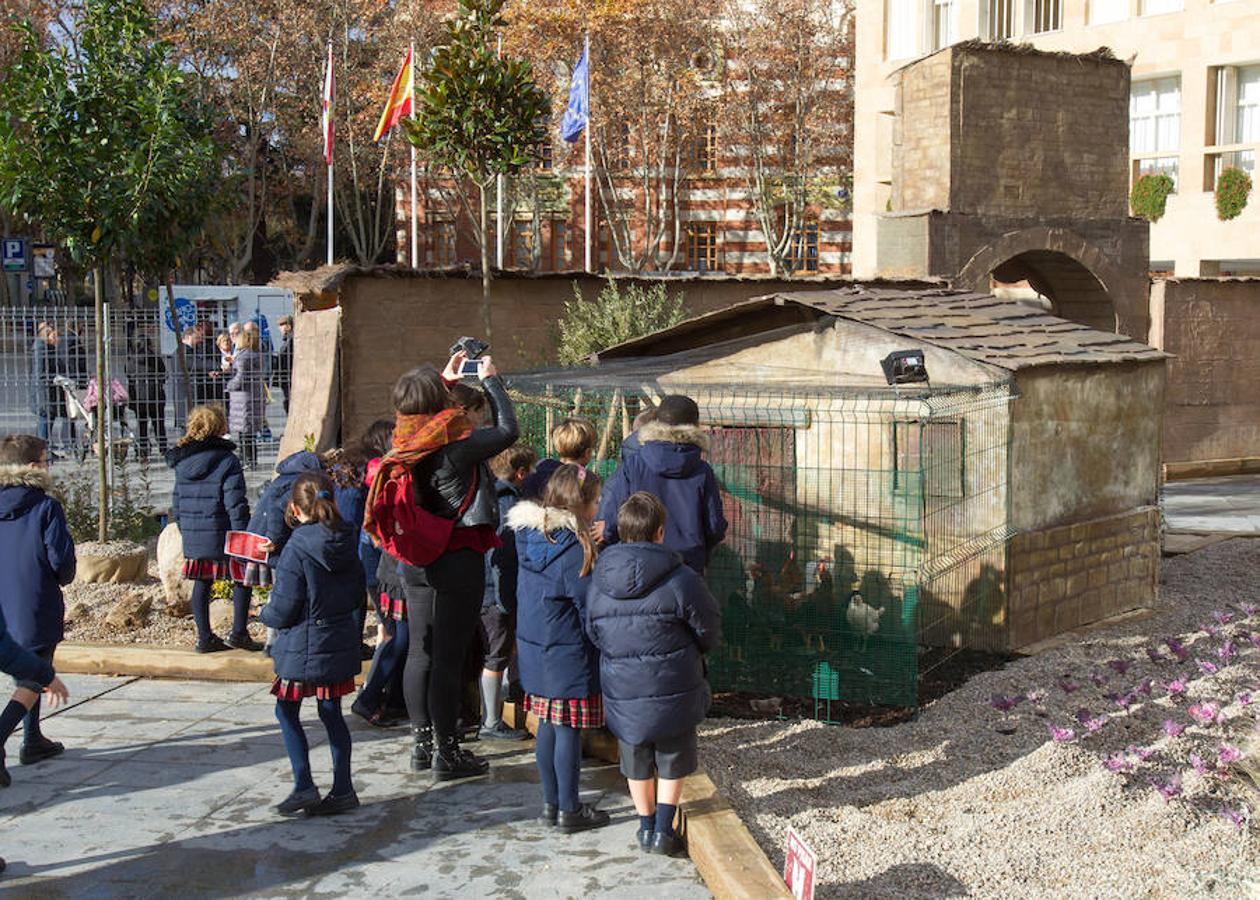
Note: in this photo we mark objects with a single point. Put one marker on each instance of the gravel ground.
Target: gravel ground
(970, 800)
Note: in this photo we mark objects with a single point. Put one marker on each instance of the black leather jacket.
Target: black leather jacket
(442, 479)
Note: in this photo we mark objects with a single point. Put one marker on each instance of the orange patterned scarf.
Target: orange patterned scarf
(415, 437)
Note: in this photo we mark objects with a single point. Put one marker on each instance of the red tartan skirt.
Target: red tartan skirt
(588, 712)
(207, 570)
(393, 607)
(292, 691)
(250, 573)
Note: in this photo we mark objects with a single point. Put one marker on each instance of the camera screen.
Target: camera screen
(470, 367)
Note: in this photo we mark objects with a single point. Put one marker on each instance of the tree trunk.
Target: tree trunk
(485, 263)
(102, 479)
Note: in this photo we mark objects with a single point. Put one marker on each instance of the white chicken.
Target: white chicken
(863, 618)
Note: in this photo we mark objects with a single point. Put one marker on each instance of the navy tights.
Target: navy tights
(558, 752)
(289, 714)
(389, 657)
(241, 596)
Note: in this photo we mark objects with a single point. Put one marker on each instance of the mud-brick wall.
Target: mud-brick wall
(1066, 577)
(1211, 326)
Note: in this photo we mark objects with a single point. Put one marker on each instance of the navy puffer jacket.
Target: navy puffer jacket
(19, 663)
(556, 660)
(668, 463)
(652, 619)
(36, 558)
(209, 498)
(318, 586)
(268, 518)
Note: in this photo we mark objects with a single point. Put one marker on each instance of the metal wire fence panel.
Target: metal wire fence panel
(840, 503)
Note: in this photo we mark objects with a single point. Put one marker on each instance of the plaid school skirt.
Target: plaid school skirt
(588, 712)
(207, 570)
(393, 607)
(250, 574)
(292, 691)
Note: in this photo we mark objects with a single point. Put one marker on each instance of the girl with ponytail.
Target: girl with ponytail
(318, 587)
(559, 667)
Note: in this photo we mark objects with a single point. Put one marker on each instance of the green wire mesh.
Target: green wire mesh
(897, 496)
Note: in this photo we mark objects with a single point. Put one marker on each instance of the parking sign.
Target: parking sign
(15, 255)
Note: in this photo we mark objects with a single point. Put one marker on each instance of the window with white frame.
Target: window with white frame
(1001, 20)
(944, 22)
(1247, 109)
(1103, 11)
(1235, 96)
(1047, 15)
(1155, 126)
(901, 29)
(1158, 7)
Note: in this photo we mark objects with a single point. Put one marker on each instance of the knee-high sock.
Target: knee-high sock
(492, 698)
(545, 757)
(568, 760)
(241, 596)
(13, 713)
(338, 743)
(30, 724)
(201, 608)
(289, 715)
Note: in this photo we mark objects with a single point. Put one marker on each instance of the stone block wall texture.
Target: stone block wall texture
(995, 132)
(1062, 578)
(1212, 328)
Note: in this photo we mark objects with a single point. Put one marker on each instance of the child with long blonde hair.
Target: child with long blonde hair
(559, 666)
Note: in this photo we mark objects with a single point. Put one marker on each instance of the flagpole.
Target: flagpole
(498, 201)
(587, 197)
(415, 239)
(329, 241)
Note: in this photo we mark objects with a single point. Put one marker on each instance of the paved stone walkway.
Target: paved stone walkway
(166, 787)
(1226, 505)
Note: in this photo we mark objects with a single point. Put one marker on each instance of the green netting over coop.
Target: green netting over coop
(867, 525)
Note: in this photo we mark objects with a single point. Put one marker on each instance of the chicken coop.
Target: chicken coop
(873, 526)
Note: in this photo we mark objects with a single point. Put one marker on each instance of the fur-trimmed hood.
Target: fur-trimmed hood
(528, 514)
(19, 475)
(543, 534)
(659, 432)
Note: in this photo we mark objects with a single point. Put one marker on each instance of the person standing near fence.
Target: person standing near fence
(147, 389)
(45, 397)
(247, 404)
(284, 359)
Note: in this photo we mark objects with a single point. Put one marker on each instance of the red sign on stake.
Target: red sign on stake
(798, 867)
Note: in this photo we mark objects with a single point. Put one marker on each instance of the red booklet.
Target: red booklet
(245, 545)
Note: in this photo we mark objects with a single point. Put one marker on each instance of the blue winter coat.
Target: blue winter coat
(652, 619)
(631, 446)
(501, 562)
(36, 558)
(209, 497)
(669, 465)
(268, 518)
(555, 658)
(318, 587)
(536, 481)
(19, 663)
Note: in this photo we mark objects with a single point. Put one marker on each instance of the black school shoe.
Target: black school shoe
(645, 839)
(549, 812)
(298, 802)
(40, 750)
(452, 761)
(243, 642)
(331, 805)
(666, 844)
(586, 818)
(212, 644)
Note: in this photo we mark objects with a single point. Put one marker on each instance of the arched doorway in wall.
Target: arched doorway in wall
(1074, 292)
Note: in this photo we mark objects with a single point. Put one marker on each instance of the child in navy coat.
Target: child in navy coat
(559, 666)
(36, 560)
(319, 584)
(652, 619)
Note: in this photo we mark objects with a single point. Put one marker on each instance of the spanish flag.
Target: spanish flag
(402, 99)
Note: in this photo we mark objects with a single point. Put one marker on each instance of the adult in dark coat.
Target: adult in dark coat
(74, 357)
(283, 370)
(46, 400)
(37, 559)
(652, 619)
(669, 464)
(209, 499)
(147, 389)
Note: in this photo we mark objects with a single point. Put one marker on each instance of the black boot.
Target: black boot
(451, 761)
(422, 751)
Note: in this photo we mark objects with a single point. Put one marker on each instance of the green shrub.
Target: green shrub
(1150, 196)
(617, 315)
(132, 518)
(1233, 186)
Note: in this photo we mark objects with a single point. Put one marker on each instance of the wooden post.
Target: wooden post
(606, 438)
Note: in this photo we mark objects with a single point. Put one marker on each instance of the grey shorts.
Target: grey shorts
(671, 757)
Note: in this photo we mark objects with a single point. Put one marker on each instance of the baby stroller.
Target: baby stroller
(83, 407)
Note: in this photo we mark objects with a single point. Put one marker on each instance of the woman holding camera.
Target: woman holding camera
(445, 455)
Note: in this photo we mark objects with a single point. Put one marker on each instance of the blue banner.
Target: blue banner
(578, 113)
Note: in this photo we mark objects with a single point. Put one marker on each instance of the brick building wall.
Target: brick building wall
(1062, 578)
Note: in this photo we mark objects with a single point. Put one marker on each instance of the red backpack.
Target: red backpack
(404, 529)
